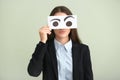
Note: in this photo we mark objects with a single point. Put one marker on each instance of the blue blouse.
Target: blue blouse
(64, 60)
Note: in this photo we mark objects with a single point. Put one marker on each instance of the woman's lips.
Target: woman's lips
(62, 31)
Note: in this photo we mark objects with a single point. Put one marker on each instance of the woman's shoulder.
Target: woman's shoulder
(80, 45)
(84, 45)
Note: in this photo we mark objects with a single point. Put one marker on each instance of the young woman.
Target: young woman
(60, 53)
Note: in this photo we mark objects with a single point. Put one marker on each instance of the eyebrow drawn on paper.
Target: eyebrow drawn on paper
(68, 17)
(55, 19)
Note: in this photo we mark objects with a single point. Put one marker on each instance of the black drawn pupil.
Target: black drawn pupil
(55, 23)
(69, 23)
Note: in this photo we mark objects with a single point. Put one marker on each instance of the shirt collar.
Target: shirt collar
(67, 45)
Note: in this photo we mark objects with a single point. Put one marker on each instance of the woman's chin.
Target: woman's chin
(63, 36)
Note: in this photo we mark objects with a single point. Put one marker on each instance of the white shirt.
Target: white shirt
(64, 60)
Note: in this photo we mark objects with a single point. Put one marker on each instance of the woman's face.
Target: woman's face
(61, 33)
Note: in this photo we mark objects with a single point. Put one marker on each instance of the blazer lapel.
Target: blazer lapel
(75, 54)
(53, 57)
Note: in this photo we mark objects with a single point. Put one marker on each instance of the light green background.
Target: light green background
(99, 27)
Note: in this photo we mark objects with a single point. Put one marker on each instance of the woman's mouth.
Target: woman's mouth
(62, 31)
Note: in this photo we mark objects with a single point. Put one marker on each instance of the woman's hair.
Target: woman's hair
(73, 32)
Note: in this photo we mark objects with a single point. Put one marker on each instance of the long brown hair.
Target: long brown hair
(73, 33)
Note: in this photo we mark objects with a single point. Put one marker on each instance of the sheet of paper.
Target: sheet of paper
(62, 22)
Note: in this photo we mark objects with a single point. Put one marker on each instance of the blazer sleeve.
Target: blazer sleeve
(88, 74)
(36, 63)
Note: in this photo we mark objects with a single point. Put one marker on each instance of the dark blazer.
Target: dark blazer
(44, 59)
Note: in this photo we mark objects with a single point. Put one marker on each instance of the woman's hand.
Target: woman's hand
(43, 33)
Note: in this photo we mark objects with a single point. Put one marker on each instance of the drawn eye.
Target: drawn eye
(68, 23)
(55, 24)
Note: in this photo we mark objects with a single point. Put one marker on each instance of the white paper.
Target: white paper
(62, 22)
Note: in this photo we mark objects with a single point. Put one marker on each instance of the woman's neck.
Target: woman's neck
(62, 40)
